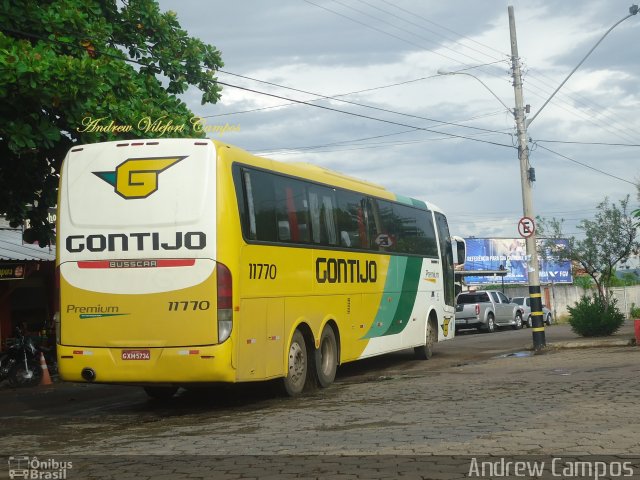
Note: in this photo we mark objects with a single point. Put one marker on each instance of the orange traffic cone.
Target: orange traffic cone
(46, 378)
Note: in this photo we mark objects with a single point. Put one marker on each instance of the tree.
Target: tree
(608, 239)
(82, 71)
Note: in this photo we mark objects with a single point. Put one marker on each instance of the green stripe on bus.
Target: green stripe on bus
(419, 204)
(390, 298)
(407, 297)
(398, 298)
(405, 200)
(411, 201)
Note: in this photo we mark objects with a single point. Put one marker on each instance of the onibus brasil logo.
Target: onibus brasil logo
(138, 177)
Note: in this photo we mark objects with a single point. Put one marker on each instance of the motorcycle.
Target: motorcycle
(20, 364)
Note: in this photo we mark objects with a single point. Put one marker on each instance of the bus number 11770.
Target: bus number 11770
(192, 305)
(262, 271)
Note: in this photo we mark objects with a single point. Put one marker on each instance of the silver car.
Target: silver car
(526, 305)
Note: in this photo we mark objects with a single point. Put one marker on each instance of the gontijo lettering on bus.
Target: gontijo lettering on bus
(141, 241)
(341, 270)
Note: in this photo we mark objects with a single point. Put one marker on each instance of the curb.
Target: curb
(590, 343)
(595, 343)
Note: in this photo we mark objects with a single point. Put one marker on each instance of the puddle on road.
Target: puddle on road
(515, 355)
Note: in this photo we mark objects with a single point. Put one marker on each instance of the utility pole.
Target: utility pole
(526, 178)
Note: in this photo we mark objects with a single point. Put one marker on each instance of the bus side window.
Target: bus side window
(260, 223)
(372, 211)
(314, 216)
(406, 229)
(322, 215)
(292, 210)
(328, 214)
(350, 219)
(362, 225)
(446, 257)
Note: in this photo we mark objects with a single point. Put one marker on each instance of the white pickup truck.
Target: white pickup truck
(486, 310)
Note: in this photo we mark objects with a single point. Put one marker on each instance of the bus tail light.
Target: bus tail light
(225, 302)
(56, 305)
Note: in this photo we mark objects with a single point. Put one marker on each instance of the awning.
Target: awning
(13, 248)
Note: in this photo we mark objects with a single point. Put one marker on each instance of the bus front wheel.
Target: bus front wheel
(326, 357)
(297, 365)
(425, 352)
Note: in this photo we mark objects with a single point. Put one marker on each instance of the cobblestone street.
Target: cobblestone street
(567, 402)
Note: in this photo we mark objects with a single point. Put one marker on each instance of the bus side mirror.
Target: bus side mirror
(461, 250)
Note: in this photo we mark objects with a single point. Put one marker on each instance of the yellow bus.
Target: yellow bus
(183, 262)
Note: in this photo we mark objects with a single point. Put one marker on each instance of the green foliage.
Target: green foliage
(69, 66)
(634, 312)
(583, 282)
(610, 237)
(593, 317)
(624, 279)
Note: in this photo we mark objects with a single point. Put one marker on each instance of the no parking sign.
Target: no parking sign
(526, 227)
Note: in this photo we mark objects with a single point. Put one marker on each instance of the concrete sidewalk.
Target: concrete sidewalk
(624, 337)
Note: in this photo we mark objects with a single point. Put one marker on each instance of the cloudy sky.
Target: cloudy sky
(442, 138)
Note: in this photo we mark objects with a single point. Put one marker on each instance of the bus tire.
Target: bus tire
(425, 352)
(326, 358)
(161, 393)
(297, 365)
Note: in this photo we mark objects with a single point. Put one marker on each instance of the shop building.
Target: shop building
(27, 286)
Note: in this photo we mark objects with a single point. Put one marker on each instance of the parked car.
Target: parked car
(525, 303)
(486, 310)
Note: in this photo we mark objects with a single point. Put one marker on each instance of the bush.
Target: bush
(592, 317)
(635, 311)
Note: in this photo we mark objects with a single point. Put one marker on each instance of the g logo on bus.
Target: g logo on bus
(137, 177)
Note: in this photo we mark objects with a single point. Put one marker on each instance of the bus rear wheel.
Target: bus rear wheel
(297, 365)
(326, 358)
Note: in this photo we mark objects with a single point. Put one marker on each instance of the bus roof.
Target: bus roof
(315, 173)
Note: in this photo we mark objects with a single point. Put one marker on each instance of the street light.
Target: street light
(526, 175)
(446, 72)
(633, 10)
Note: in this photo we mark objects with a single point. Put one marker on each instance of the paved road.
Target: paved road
(413, 416)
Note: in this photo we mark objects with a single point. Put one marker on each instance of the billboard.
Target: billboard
(510, 254)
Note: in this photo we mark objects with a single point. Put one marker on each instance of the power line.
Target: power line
(292, 151)
(329, 97)
(585, 165)
(378, 29)
(445, 28)
(355, 142)
(386, 110)
(457, 62)
(514, 212)
(591, 143)
(576, 112)
(137, 62)
(382, 31)
(387, 12)
(359, 115)
(129, 60)
(385, 21)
